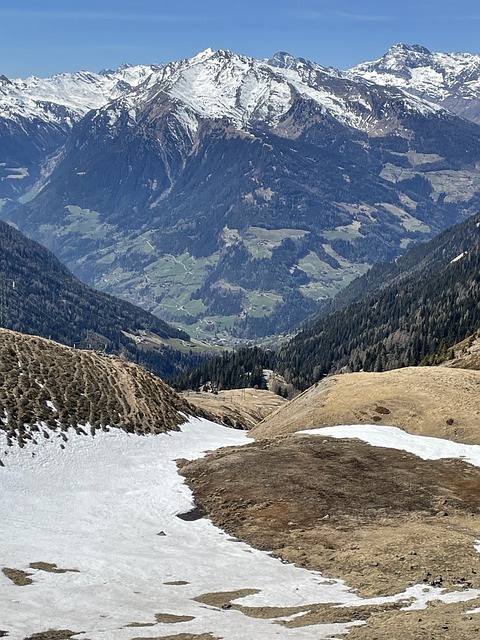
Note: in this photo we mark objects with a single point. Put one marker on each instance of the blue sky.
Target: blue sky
(42, 37)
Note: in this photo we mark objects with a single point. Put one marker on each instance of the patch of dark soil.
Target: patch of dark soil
(223, 599)
(197, 513)
(18, 577)
(139, 624)
(50, 568)
(53, 634)
(183, 636)
(170, 618)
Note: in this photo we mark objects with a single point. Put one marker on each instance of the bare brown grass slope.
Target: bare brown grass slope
(434, 401)
(466, 354)
(45, 387)
(382, 520)
(238, 408)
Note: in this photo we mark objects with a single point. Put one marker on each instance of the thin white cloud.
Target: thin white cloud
(92, 15)
(340, 15)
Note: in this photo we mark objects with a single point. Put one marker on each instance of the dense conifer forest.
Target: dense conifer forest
(231, 370)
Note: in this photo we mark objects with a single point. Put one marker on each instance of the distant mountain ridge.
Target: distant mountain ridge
(37, 115)
(232, 195)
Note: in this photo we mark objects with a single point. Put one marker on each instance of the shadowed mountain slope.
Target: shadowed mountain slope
(39, 296)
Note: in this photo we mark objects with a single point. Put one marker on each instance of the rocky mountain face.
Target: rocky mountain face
(39, 296)
(37, 115)
(449, 79)
(232, 195)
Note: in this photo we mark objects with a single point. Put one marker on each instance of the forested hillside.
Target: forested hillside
(232, 370)
(421, 259)
(38, 295)
(408, 312)
(396, 326)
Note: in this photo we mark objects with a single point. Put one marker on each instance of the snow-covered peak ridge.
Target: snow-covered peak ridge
(284, 60)
(67, 96)
(212, 84)
(416, 69)
(247, 92)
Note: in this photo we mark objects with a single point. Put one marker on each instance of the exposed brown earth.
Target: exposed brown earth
(53, 634)
(433, 401)
(380, 519)
(17, 576)
(170, 618)
(238, 408)
(50, 567)
(183, 636)
(44, 382)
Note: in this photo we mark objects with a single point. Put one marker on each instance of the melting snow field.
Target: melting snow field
(107, 508)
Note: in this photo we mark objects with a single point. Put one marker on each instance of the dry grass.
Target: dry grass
(379, 518)
(44, 382)
(238, 408)
(433, 401)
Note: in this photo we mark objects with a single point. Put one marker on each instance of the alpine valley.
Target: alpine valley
(231, 196)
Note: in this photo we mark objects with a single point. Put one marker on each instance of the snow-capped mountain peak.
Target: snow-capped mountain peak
(221, 85)
(448, 78)
(66, 97)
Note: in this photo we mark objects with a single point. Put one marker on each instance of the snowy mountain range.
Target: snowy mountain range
(66, 97)
(230, 194)
(449, 79)
(37, 114)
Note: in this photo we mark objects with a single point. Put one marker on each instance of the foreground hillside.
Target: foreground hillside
(39, 296)
(433, 401)
(392, 519)
(387, 510)
(46, 388)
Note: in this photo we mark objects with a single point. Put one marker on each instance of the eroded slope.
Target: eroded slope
(47, 387)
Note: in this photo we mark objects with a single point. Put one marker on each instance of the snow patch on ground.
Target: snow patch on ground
(106, 506)
(425, 447)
